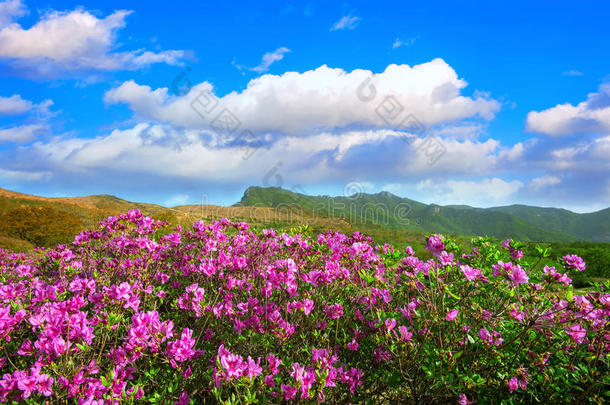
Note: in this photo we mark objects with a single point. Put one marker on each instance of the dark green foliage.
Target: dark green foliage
(390, 211)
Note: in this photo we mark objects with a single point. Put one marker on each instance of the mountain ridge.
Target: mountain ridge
(29, 220)
(518, 220)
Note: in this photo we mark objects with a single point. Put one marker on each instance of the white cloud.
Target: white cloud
(544, 182)
(482, 192)
(462, 130)
(191, 162)
(75, 41)
(320, 100)
(161, 152)
(21, 134)
(513, 153)
(15, 105)
(403, 42)
(347, 22)
(19, 175)
(592, 115)
(568, 153)
(10, 10)
(268, 59)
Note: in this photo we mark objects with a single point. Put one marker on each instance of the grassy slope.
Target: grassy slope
(86, 211)
(91, 209)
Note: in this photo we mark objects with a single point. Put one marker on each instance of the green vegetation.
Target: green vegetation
(518, 221)
(27, 221)
(595, 254)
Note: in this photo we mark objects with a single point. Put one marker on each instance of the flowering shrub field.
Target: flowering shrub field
(135, 312)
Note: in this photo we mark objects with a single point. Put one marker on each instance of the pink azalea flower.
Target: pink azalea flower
(469, 273)
(518, 276)
(232, 364)
(405, 335)
(516, 314)
(485, 335)
(446, 259)
(463, 400)
(253, 368)
(574, 262)
(183, 399)
(577, 333)
(289, 392)
(274, 364)
(513, 384)
(307, 306)
(44, 385)
(436, 244)
(390, 324)
(451, 315)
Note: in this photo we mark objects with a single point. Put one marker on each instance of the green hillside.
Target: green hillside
(393, 212)
(591, 226)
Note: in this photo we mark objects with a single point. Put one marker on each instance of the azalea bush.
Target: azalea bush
(137, 312)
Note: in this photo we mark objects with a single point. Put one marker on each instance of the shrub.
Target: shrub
(130, 312)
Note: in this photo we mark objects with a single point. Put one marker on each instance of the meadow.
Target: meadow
(137, 311)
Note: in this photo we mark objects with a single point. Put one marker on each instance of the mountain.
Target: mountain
(388, 210)
(590, 226)
(27, 220)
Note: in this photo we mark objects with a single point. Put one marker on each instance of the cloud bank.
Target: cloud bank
(323, 99)
(589, 116)
(64, 42)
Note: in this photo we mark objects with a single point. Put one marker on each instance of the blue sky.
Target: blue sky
(97, 98)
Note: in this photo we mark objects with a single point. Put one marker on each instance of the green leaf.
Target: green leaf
(570, 294)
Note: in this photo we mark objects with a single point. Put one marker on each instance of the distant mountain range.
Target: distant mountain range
(516, 221)
(27, 220)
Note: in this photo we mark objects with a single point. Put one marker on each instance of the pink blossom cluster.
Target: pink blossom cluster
(135, 311)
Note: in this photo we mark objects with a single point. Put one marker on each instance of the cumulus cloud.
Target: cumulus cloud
(269, 58)
(161, 152)
(72, 41)
(21, 134)
(347, 22)
(538, 183)
(15, 105)
(320, 100)
(183, 161)
(589, 116)
(10, 10)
